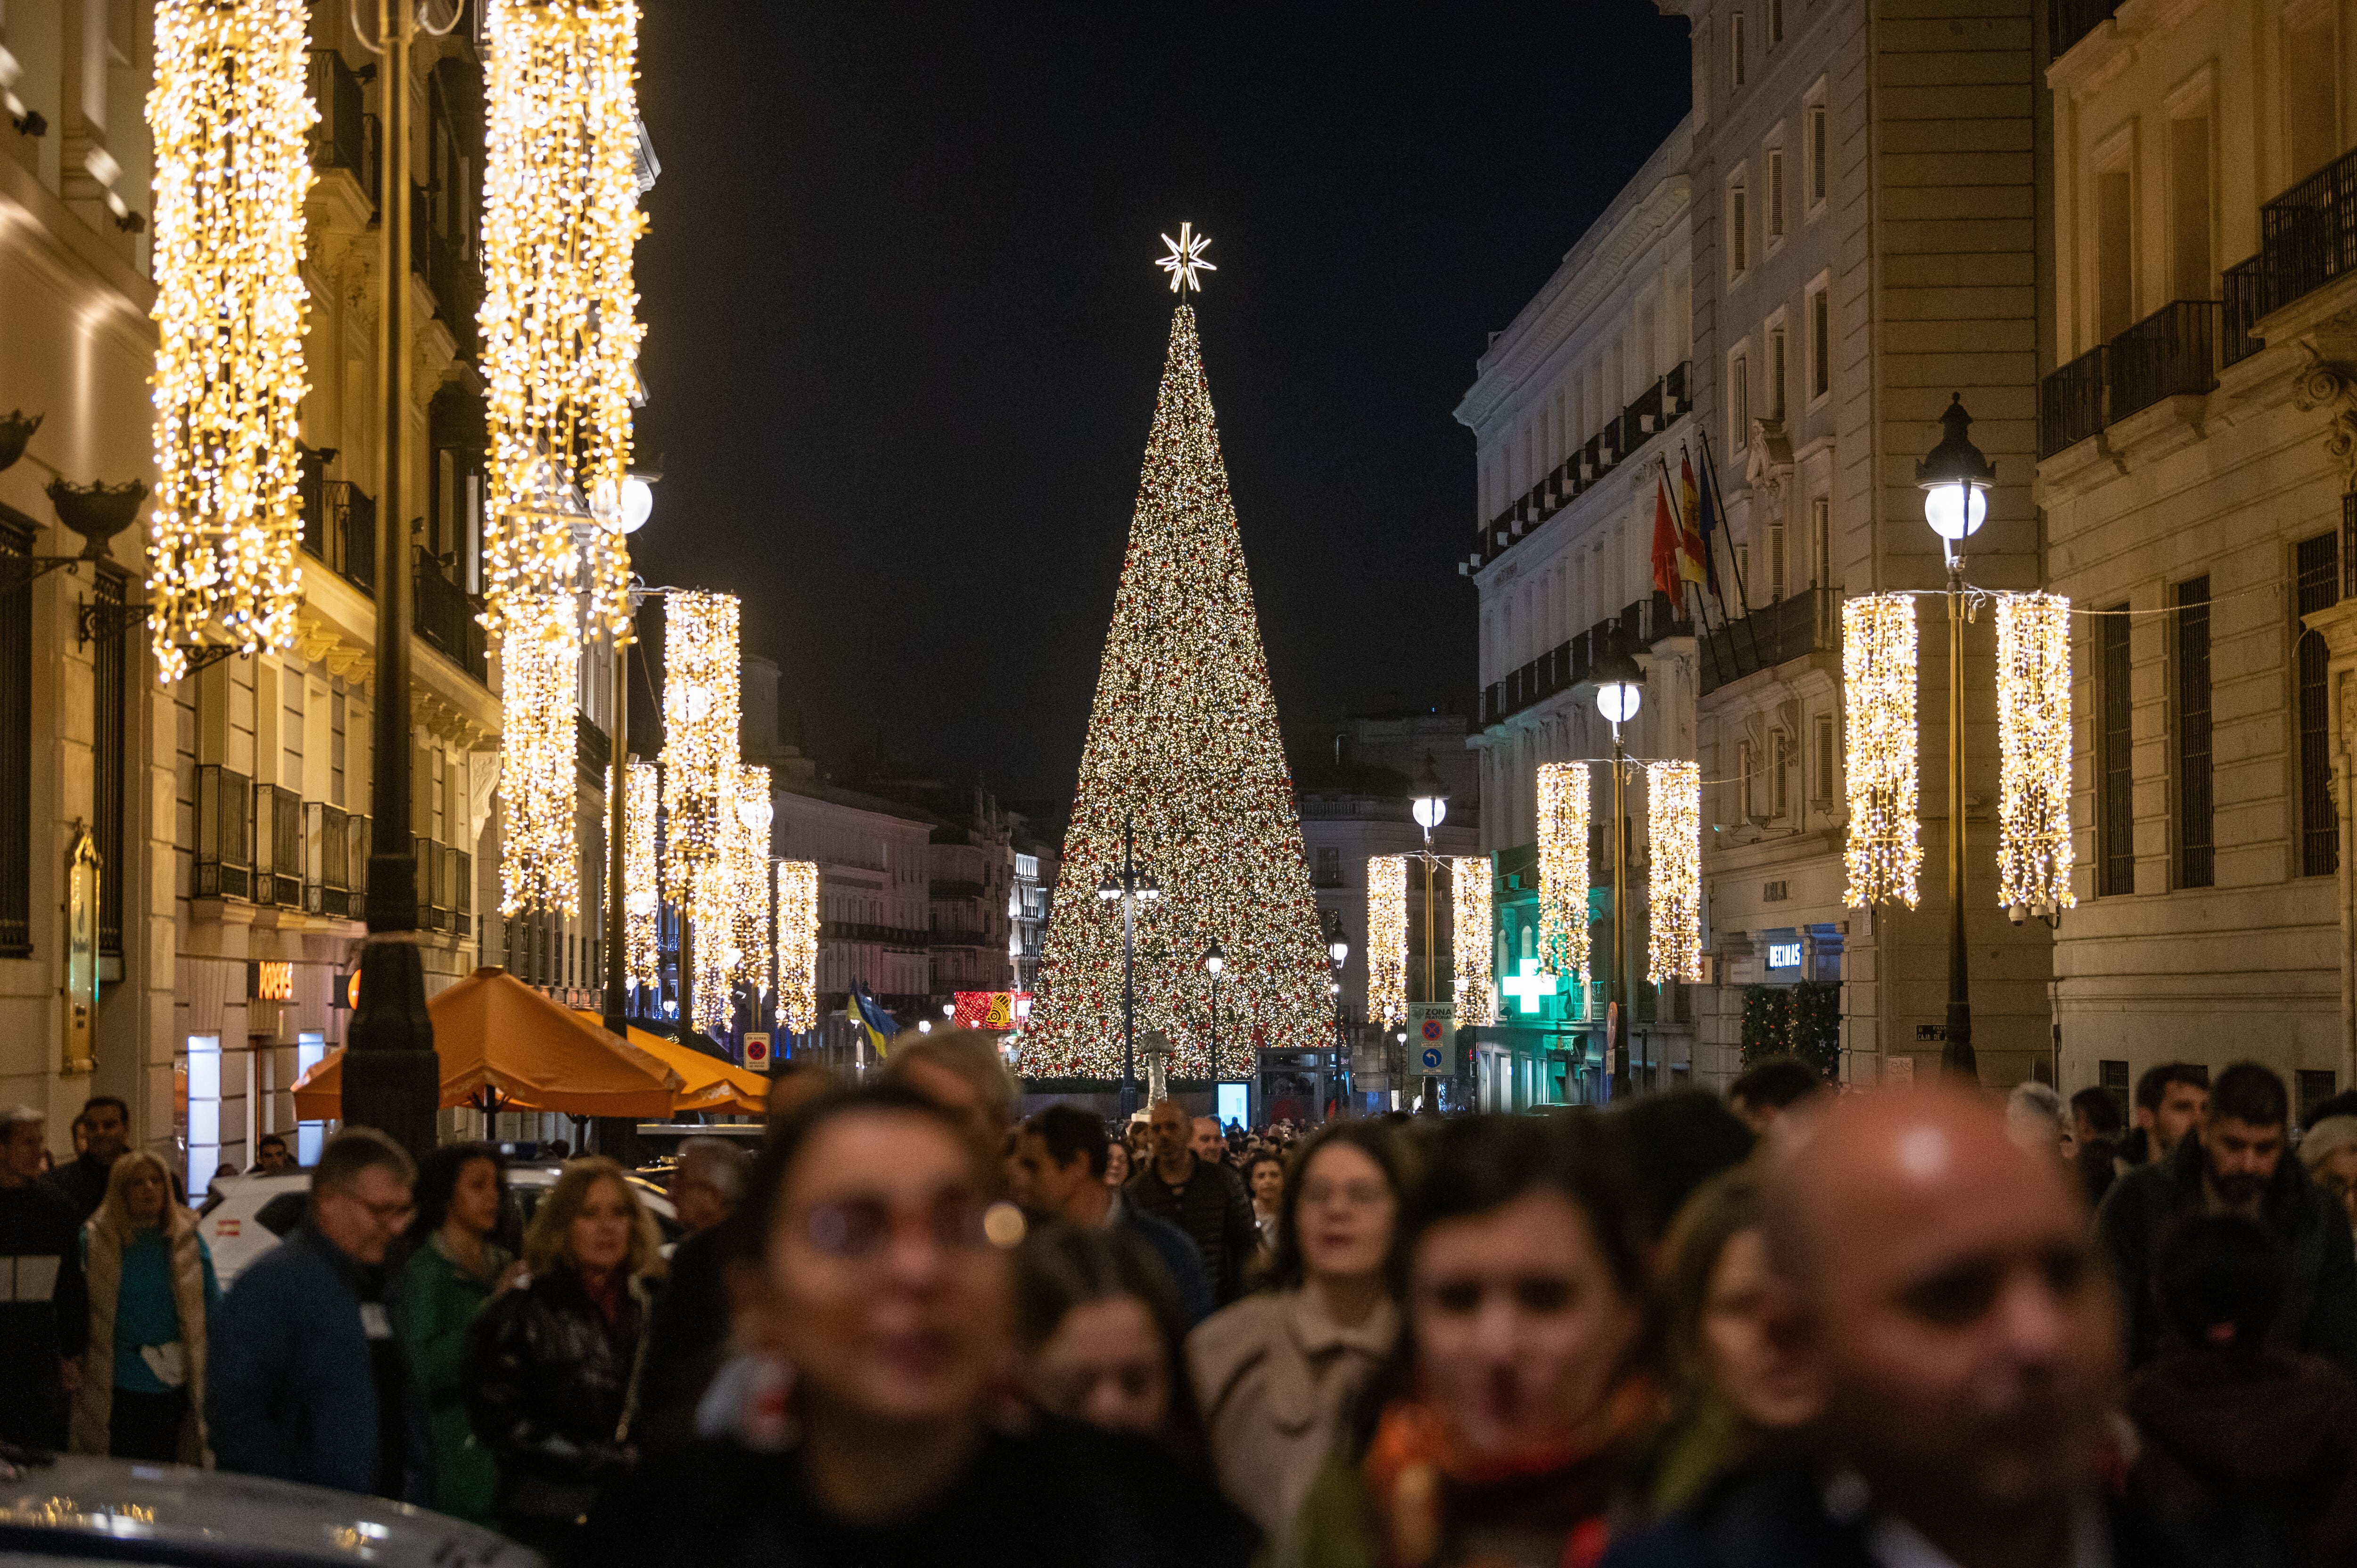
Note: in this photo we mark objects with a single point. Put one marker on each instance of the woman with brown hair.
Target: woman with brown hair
(151, 1291)
(553, 1366)
(1275, 1371)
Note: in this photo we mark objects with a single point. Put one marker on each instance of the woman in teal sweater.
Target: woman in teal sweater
(152, 1292)
(461, 1193)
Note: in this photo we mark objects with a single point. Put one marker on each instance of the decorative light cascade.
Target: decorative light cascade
(539, 667)
(1885, 851)
(748, 938)
(560, 335)
(699, 780)
(1183, 746)
(1673, 819)
(1468, 882)
(1388, 939)
(2033, 733)
(230, 114)
(642, 909)
(1563, 818)
(797, 946)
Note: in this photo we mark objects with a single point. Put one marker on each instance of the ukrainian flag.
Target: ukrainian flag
(866, 1013)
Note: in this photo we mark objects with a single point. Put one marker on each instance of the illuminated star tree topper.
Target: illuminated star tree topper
(1186, 259)
(1183, 741)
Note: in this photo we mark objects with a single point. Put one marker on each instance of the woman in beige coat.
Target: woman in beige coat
(1276, 1373)
(152, 1288)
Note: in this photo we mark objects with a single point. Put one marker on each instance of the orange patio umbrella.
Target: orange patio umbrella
(505, 1047)
(707, 1084)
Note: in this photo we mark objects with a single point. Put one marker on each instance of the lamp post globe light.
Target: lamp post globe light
(1429, 805)
(1214, 961)
(1131, 886)
(1338, 951)
(1955, 478)
(637, 503)
(1620, 692)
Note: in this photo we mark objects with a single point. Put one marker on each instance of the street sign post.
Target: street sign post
(1432, 1039)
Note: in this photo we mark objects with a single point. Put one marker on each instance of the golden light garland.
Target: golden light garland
(1673, 886)
(797, 946)
(1563, 818)
(1470, 937)
(1183, 747)
(642, 906)
(230, 114)
(747, 822)
(2033, 731)
(1885, 852)
(559, 328)
(1388, 939)
(699, 757)
(540, 661)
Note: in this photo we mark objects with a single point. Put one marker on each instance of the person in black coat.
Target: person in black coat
(553, 1367)
(876, 1263)
(44, 1304)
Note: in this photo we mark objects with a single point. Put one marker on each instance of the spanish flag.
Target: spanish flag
(1668, 576)
(1697, 566)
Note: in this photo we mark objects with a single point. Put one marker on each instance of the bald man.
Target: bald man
(1941, 1297)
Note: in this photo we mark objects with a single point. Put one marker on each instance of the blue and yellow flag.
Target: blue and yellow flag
(866, 1013)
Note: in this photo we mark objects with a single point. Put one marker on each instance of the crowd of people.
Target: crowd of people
(1905, 1328)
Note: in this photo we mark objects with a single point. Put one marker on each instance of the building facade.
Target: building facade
(2197, 479)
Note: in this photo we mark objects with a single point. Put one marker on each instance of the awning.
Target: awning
(707, 1085)
(500, 1039)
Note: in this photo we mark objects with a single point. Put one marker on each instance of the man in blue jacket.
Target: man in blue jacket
(1059, 1168)
(308, 1381)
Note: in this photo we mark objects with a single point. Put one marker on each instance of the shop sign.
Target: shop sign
(81, 950)
(1783, 955)
(269, 979)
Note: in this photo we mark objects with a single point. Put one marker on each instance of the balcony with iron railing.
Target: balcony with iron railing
(1649, 412)
(339, 525)
(1792, 628)
(1568, 664)
(278, 848)
(345, 136)
(2172, 352)
(2308, 238)
(444, 615)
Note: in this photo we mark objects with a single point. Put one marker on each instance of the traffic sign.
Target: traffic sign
(757, 1052)
(1432, 1028)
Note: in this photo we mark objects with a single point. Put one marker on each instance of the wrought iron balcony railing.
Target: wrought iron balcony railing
(2174, 350)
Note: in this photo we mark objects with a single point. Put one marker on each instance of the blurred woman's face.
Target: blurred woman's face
(1344, 1219)
(600, 1237)
(2336, 1173)
(1267, 1183)
(1116, 1163)
(1106, 1364)
(1739, 1347)
(1521, 1330)
(475, 1201)
(878, 1286)
(143, 1195)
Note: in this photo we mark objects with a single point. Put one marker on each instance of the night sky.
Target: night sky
(904, 329)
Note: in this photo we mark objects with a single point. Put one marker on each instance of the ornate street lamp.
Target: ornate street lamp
(1214, 961)
(1338, 951)
(1955, 479)
(1132, 885)
(1429, 805)
(1620, 692)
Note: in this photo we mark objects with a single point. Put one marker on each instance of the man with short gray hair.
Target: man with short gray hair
(308, 1379)
(43, 1304)
(687, 1338)
(706, 1184)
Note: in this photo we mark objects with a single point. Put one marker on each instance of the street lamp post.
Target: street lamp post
(637, 501)
(1133, 886)
(1620, 692)
(1430, 807)
(1338, 950)
(392, 1076)
(1955, 478)
(1214, 961)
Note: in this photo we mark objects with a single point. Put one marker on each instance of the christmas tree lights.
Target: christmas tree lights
(642, 908)
(1468, 882)
(2033, 728)
(1563, 817)
(1673, 819)
(230, 114)
(1884, 852)
(1182, 744)
(797, 946)
(559, 330)
(540, 658)
(1388, 939)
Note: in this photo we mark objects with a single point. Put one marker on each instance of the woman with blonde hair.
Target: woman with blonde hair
(553, 1366)
(152, 1289)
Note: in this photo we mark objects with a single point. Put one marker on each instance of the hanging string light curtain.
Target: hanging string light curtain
(537, 797)
(560, 335)
(1884, 854)
(797, 946)
(1673, 817)
(2033, 729)
(1468, 882)
(748, 878)
(1563, 818)
(699, 777)
(230, 114)
(642, 913)
(1388, 939)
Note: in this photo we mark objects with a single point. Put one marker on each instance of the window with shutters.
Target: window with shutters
(1775, 23)
(1737, 46)
(2196, 813)
(1813, 144)
(1775, 196)
(1821, 343)
(1776, 372)
(1780, 788)
(1738, 229)
(1739, 401)
(1828, 762)
(1821, 543)
(1775, 560)
(2115, 757)
(2319, 562)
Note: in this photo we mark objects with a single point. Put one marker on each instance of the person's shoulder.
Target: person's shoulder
(1230, 1342)
(1119, 1489)
(2136, 1192)
(1771, 1511)
(652, 1514)
(49, 1199)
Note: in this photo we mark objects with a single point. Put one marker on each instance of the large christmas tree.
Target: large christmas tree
(1183, 746)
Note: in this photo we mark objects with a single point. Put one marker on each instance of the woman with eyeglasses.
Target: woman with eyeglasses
(553, 1366)
(875, 1261)
(1275, 1372)
(1522, 1383)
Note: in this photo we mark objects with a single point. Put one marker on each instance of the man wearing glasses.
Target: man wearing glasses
(308, 1381)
